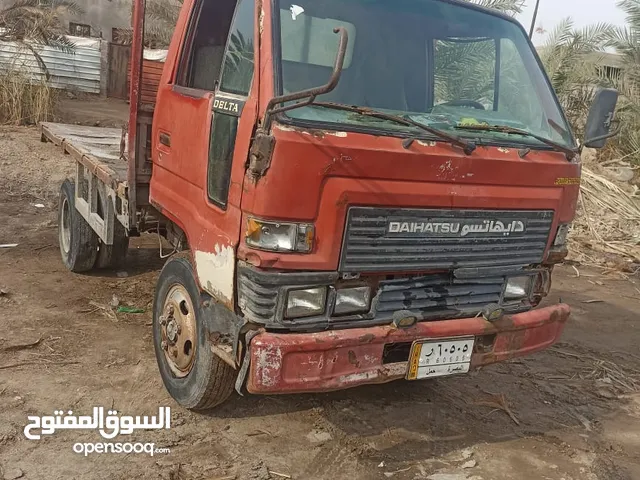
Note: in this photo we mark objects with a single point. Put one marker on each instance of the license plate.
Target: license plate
(439, 358)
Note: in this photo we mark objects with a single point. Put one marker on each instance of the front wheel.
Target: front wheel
(194, 376)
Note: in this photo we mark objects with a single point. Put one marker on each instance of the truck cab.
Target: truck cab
(356, 191)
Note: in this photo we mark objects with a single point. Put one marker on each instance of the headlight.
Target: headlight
(561, 236)
(518, 288)
(306, 303)
(279, 236)
(352, 300)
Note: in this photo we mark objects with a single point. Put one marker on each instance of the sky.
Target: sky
(583, 12)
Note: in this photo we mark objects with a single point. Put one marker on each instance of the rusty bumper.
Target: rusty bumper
(333, 360)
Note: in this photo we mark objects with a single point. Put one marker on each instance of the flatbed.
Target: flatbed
(101, 172)
(99, 149)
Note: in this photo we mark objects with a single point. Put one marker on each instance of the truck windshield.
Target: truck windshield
(438, 63)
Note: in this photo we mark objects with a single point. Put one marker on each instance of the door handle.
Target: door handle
(165, 139)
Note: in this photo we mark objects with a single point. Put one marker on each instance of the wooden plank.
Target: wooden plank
(151, 76)
(93, 147)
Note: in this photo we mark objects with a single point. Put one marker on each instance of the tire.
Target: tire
(112, 256)
(78, 242)
(208, 381)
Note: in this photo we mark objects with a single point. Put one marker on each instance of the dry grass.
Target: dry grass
(24, 101)
(606, 231)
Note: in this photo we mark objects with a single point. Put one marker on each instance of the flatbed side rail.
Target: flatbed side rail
(98, 174)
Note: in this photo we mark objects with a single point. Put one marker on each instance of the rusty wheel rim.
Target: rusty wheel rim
(65, 226)
(178, 325)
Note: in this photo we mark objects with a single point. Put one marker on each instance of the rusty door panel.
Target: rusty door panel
(118, 83)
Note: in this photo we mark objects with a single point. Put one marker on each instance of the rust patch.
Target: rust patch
(353, 359)
(335, 161)
(260, 155)
(261, 18)
(557, 255)
(316, 133)
(367, 338)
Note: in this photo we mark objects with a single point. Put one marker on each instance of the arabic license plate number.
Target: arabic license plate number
(439, 358)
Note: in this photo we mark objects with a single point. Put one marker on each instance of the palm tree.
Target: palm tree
(160, 20)
(626, 42)
(30, 23)
(571, 57)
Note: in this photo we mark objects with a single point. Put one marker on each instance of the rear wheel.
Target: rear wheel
(112, 256)
(194, 376)
(78, 242)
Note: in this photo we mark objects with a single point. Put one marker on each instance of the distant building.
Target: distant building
(100, 18)
(609, 64)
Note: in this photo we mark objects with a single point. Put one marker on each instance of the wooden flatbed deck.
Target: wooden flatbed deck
(97, 148)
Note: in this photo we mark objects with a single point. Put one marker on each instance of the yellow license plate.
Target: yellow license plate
(439, 358)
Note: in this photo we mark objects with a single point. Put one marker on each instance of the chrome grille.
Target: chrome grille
(371, 245)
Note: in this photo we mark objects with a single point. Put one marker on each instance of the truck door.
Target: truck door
(198, 114)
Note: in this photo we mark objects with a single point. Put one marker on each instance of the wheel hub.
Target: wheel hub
(65, 226)
(172, 331)
(178, 325)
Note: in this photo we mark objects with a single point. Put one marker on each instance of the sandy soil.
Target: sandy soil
(93, 111)
(572, 412)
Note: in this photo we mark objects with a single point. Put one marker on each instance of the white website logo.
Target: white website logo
(109, 426)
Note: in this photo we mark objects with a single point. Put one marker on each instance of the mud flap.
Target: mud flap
(224, 328)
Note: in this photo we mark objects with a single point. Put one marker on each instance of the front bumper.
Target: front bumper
(334, 360)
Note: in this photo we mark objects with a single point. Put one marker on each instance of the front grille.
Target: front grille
(438, 296)
(262, 293)
(401, 240)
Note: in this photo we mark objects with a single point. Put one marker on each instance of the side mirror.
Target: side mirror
(598, 128)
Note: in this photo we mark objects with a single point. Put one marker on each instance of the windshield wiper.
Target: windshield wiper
(570, 153)
(467, 146)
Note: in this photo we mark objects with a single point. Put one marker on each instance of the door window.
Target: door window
(238, 60)
(204, 48)
(236, 79)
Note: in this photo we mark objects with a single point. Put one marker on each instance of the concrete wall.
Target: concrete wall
(103, 16)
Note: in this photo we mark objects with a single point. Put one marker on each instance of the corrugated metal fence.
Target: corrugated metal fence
(79, 70)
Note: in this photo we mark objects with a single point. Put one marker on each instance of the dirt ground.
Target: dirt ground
(572, 412)
(92, 110)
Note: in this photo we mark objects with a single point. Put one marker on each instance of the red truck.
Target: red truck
(354, 191)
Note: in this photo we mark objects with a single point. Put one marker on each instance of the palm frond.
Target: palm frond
(594, 37)
(511, 7)
(161, 17)
(632, 10)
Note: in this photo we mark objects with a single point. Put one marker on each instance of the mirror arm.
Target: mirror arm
(311, 93)
(286, 108)
(601, 137)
